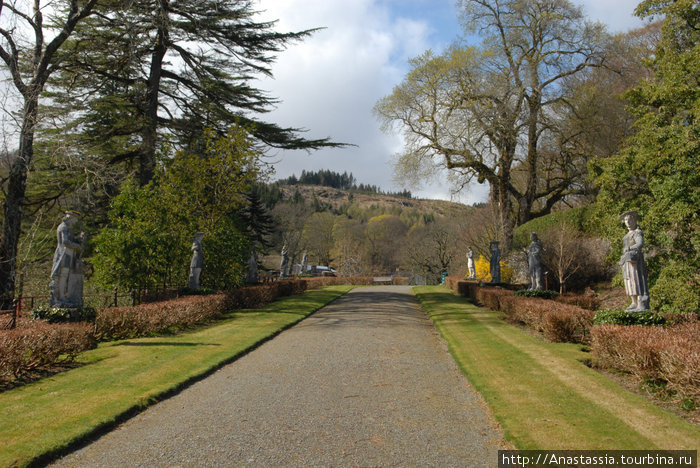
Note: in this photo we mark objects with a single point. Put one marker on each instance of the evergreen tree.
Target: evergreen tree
(258, 222)
(147, 68)
(657, 173)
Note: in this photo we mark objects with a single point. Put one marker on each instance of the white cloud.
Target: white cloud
(329, 82)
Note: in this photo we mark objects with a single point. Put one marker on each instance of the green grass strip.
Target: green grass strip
(122, 377)
(542, 393)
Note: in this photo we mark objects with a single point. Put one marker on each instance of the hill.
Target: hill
(340, 201)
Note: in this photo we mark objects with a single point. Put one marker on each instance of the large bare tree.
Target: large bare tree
(490, 113)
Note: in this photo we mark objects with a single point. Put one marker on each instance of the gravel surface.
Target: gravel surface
(366, 381)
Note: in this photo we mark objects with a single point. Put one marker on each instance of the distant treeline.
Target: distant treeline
(344, 181)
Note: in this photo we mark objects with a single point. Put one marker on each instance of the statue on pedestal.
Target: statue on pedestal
(252, 276)
(634, 271)
(534, 260)
(304, 263)
(495, 266)
(68, 270)
(284, 263)
(470, 264)
(197, 261)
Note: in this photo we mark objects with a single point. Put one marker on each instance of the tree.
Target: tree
(489, 112)
(348, 246)
(30, 62)
(317, 236)
(384, 239)
(147, 242)
(431, 250)
(149, 68)
(657, 172)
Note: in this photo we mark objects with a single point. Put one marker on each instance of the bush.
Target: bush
(558, 322)
(589, 300)
(57, 315)
(540, 293)
(143, 319)
(670, 355)
(676, 290)
(621, 317)
(490, 296)
(41, 344)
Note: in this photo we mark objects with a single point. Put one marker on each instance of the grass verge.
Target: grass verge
(43, 419)
(542, 393)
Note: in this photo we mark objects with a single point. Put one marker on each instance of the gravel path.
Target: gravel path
(365, 381)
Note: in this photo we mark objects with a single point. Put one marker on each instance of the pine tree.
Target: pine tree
(149, 68)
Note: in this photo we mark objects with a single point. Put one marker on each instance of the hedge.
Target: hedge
(24, 349)
(669, 354)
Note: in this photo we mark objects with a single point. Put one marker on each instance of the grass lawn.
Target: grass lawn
(122, 377)
(542, 393)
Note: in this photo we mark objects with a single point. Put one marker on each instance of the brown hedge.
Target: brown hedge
(140, 320)
(41, 344)
(652, 353)
(559, 322)
(589, 301)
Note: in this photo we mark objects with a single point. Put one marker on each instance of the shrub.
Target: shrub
(589, 300)
(57, 315)
(670, 355)
(621, 317)
(143, 319)
(483, 270)
(541, 293)
(558, 322)
(41, 344)
(490, 296)
(676, 290)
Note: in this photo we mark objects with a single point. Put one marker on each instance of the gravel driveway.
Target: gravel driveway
(366, 381)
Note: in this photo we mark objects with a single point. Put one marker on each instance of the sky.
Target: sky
(329, 83)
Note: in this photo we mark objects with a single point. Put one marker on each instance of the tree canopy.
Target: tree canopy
(493, 113)
(657, 172)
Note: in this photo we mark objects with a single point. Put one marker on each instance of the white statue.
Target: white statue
(470, 264)
(67, 271)
(634, 271)
(284, 263)
(534, 260)
(197, 261)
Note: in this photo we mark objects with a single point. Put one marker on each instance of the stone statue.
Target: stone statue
(304, 263)
(284, 263)
(534, 260)
(634, 270)
(197, 261)
(470, 264)
(252, 276)
(68, 270)
(495, 262)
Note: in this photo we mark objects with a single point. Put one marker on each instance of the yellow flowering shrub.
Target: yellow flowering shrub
(483, 270)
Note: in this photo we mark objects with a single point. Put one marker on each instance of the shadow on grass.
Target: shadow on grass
(164, 343)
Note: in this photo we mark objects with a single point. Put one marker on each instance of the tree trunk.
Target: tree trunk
(14, 202)
(149, 135)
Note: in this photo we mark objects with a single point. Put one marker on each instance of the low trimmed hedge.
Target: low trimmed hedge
(25, 349)
(667, 354)
(558, 321)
